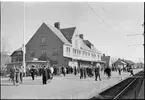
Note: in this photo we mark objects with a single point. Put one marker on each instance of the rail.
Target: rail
(117, 96)
(128, 88)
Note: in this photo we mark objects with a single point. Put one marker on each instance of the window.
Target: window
(94, 55)
(43, 40)
(74, 50)
(83, 52)
(43, 52)
(76, 42)
(98, 56)
(19, 53)
(79, 52)
(88, 53)
(67, 49)
(32, 54)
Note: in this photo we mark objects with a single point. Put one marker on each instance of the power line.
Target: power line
(136, 45)
(134, 34)
(99, 16)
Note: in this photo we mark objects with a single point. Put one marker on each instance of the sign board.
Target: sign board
(35, 58)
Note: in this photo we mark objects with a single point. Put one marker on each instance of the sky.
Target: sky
(107, 28)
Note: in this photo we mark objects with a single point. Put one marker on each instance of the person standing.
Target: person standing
(119, 70)
(48, 73)
(81, 72)
(75, 70)
(21, 74)
(44, 75)
(97, 72)
(17, 71)
(108, 71)
(84, 72)
(32, 71)
(52, 70)
(13, 74)
(131, 71)
(64, 71)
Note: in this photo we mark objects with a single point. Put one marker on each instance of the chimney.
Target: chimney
(57, 25)
(103, 55)
(81, 36)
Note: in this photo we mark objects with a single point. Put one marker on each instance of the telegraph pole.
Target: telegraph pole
(137, 34)
(24, 62)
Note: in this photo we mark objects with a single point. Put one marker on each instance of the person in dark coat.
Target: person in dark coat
(75, 70)
(81, 72)
(131, 71)
(119, 70)
(21, 74)
(44, 75)
(48, 73)
(108, 71)
(32, 71)
(97, 73)
(84, 72)
(13, 74)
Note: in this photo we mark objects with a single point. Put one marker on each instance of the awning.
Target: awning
(99, 61)
(37, 61)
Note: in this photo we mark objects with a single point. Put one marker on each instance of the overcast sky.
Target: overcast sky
(111, 38)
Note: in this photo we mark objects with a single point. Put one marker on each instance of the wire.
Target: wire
(136, 45)
(134, 34)
(99, 16)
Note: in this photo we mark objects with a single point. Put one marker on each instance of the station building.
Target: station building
(61, 46)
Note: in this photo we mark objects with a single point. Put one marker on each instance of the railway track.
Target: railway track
(127, 89)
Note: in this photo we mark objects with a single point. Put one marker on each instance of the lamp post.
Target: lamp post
(24, 64)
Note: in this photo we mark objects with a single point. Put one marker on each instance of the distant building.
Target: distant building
(123, 63)
(106, 59)
(62, 47)
(119, 64)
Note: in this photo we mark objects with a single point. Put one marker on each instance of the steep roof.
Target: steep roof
(92, 46)
(119, 62)
(86, 41)
(128, 61)
(20, 49)
(59, 34)
(84, 46)
(68, 33)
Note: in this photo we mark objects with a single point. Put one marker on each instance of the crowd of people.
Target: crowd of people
(16, 75)
(47, 72)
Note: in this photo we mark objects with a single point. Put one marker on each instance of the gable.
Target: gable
(54, 30)
(68, 33)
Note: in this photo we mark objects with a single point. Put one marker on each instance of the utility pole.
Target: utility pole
(137, 34)
(24, 62)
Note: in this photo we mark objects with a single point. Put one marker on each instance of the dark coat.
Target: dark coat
(97, 70)
(81, 71)
(108, 71)
(32, 71)
(44, 74)
(48, 73)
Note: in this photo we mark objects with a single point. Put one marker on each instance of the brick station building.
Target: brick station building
(62, 47)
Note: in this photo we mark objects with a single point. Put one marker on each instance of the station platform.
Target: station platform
(69, 87)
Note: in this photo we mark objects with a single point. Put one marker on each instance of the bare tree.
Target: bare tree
(5, 58)
(112, 60)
